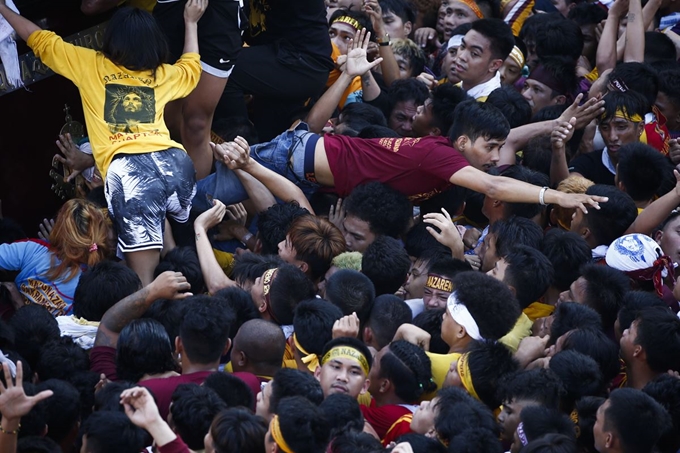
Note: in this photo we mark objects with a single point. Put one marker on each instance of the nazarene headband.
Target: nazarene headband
(311, 360)
(623, 113)
(349, 21)
(463, 368)
(517, 56)
(436, 281)
(347, 352)
(462, 316)
(455, 41)
(275, 429)
(473, 6)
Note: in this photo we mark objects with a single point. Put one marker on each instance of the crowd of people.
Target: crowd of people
(355, 226)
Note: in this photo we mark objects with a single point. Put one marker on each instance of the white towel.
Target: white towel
(8, 50)
(83, 332)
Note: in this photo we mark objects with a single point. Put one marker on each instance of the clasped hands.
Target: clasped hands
(235, 155)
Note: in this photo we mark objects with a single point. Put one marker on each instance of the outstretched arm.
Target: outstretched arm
(606, 54)
(635, 34)
(655, 213)
(213, 275)
(20, 24)
(559, 170)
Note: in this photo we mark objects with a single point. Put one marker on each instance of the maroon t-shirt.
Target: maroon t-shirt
(417, 167)
(163, 388)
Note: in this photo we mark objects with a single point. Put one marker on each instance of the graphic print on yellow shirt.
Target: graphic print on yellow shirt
(126, 107)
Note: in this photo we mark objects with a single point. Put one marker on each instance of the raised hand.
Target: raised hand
(170, 285)
(347, 326)
(45, 228)
(562, 134)
(140, 407)
(193, 10)
(211, 217)
(14, 403)
(585, 113)
(449, 236)
(357, 64)
(73, 157)
(337, 214)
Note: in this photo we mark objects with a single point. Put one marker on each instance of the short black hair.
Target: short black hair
(633, 303)
(512, 104)
(61, 359)
(478, 119)
(489, 361)
(451, 199)
(457, 411)
(36, 444)
(640, 78)
(231, 389)
(665, 389)
(658, 332)
(431, 322)
(343, 413)
(567, 252)
(586, 408)
(539, 421)
(539, 385)
(101, 286)
(204, 329)
(641, 169)
(62, 408)
(113, 432)
(405, 90)
(290, 287)
(169, 313)
(352, 343)
(445, 99)
(273, 224)
(489, 301)
(401, 8)
(669, 84)
(355, 442)
(571, 315)
(596, 344)
(303, 425)
(386, 211)
(631, 102)
(409, 369)
(475, 440)
(587, 14)
(193, 409)
(313, 323)
(658, 47)
(604, 291)
(559, 36)
(614, 217)
(515, 231)
(498, 33)
(580, 376)
(529, 272)
(449, 267)
(373, 131)
(352, 292)
(144, 347)
(551, 443)
(358, 115)
(290, 382)
(422, 444)
(387, 314)
(241, 304)
(36, 326)
(359, 16)
(563, 71)
(238, 429)
(184, 260)
(386, 264)
(637, 419)
(230, 127)
(524, 174)
(108, 397)
(419, 241)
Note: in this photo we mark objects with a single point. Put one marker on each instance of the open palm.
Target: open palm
(14, 403)
(357, 63)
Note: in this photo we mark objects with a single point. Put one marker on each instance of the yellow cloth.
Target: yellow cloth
(275, 430)
(104, 86)
(225, 260)
(441, 363)
(640, 210)
(228, 368)
(593, 75)
(521, 330)
(364, 399)
(538, 310)
(463, 369)
(141, 4)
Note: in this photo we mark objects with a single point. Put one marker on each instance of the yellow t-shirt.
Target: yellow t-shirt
(537, 310)
(521, 330)
(440, 364)
(123, 109)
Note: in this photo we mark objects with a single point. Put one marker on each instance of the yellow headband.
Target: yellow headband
(621, 113)
(311, 360)
(465, 377)
(473, 6)
(347, 352)
(275, 429)
(517, 56)
(349, 21)
(267, 278)
(439, 282)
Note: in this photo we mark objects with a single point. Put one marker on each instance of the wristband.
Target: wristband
(246, 238)
(16, 431)
(541, 196)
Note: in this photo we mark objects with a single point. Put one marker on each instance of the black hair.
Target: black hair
(108, 397)
(431, 322)
(113, 432)
(10, 231)
(238, 429)
(352, 292)
(640, 78)
(665, 389)
(422, 444)
(559, 37)
(231, 389)
(633, 303)
(451, 199)
(536, 22)
(358, 113)
(658, 47)
(539, 421)
(313, 323)
(101, 286)
(419, 242)
(36, 326)
(144, 348)
(386, 264)
(539, 385)
(457, 412)
(290, 382)
(401, 8)
(512, 104)
(551, 443)
(248, 266)
(36, 444)
(636, 418)
(587, 14)
(478, 119)
(498, 33)
(289, 288)
(476, 440)
(563, 70)
(304, 426)
(524, 174)
(352, 343)
(596, 344)
(515, 231)
(409, 369)
(386, 211)
(641, 169)
(184, 260)
(604, 291)
(273, 224)
(343, 414)
(373, 131)
(355, 442)
(241, 304)
(169, 313)
(449, 267)
(62, 408)
(567, 252)
(126, 29)
(489, 8)
(669, 84)
(632, 102)
(445, 99)
(405, 90)
(572, 315)
(204, 329)
(235, 126)
(586, 408)
(580, 376)
(387, 314)
(85, 382)
(489, 301)
(193, 409)
(658, 332)
(529, 272)
(489, 362)
(613, 218)
(60, 359)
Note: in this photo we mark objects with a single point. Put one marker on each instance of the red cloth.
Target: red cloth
(251, 381)
(163, 388)
(103, 360)
(382, 418)
(176, 446)
(417, 167)
(399, 428)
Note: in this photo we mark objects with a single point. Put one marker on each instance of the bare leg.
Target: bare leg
(197, 115)
(143, 263)
(168, 239)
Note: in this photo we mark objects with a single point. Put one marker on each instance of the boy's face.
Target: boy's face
(508, 419)
(395, 25)
(482, 153)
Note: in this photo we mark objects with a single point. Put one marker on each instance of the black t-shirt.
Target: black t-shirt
(590, 166)
(297, 27)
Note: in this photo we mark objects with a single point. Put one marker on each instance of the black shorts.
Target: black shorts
(219, 32)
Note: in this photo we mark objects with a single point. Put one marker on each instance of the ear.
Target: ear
(240, 358)
(639, 352)
(408, 28)
(317, 373)
(553, 217)
(435, 132)
(304, 267)
(512, 290)
(608, 440)
(560, 99)
(460, 210)
(461, 332)
(364, 389)
(641, 128)
(621, 187)
(227, 347)
(367, 335)
(385, 386)
(258, 246)
(495, 65)
(179, 347)
(585, 233)
(262, 308)
(658, 236)
(462, 143)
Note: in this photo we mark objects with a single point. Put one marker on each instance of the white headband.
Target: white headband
(455, 41)
(462, 316)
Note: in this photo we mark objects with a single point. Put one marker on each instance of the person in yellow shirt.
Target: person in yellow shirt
(124, 89)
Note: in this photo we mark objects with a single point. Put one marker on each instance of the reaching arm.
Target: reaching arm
(20, 24)
(193, 10)
(635, 34)
(260, 197)
(559, 170)
(606, 49)
(323, 109)
(369, 87)
(213, 275)
(389, 65)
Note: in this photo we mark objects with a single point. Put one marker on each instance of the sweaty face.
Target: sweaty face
(401, 118)
(357, 232)
(474, 62)
(508, 419)
(483, 154)
(422, 121)
(576, 292)
(423, 417)
(618, 132)
(341, 34)
(404, 66)
(415, 281)
(457, 13)
(538, 95)
(448, 65)
(287, 251)
(487, 253)
(498, 271)
(510, 72)
(341, 375)
(394, 25)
